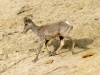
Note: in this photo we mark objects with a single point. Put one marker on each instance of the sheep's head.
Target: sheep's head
(27, 24)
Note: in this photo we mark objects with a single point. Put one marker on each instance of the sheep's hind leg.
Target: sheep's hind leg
(73, 43)
(61, 45)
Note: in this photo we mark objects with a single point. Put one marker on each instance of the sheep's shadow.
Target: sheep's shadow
(79, 43)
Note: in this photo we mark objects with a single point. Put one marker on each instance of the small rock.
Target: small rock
(96, 19)
(36, 41)
(10, 33)
(4, 68)
(48, 61)
(89, 54)
(5, 55)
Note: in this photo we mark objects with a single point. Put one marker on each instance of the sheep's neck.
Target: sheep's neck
(35, 28)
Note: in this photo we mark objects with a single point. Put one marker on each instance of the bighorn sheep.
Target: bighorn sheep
(47, 32)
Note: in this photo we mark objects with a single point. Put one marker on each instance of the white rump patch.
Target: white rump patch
(67, 22)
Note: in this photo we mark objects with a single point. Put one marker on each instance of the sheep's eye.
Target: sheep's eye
(25, 24)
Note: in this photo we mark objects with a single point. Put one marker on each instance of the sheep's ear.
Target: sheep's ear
(26, 18)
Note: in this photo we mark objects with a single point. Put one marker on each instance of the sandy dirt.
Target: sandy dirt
(17, 50)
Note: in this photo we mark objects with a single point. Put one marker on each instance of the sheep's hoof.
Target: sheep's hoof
(53, 53)
(73, 53)
(50, 53)
(35, 60)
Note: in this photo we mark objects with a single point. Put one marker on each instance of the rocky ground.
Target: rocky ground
(17, 50)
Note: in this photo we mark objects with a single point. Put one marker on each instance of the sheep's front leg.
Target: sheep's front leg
(39, 49)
